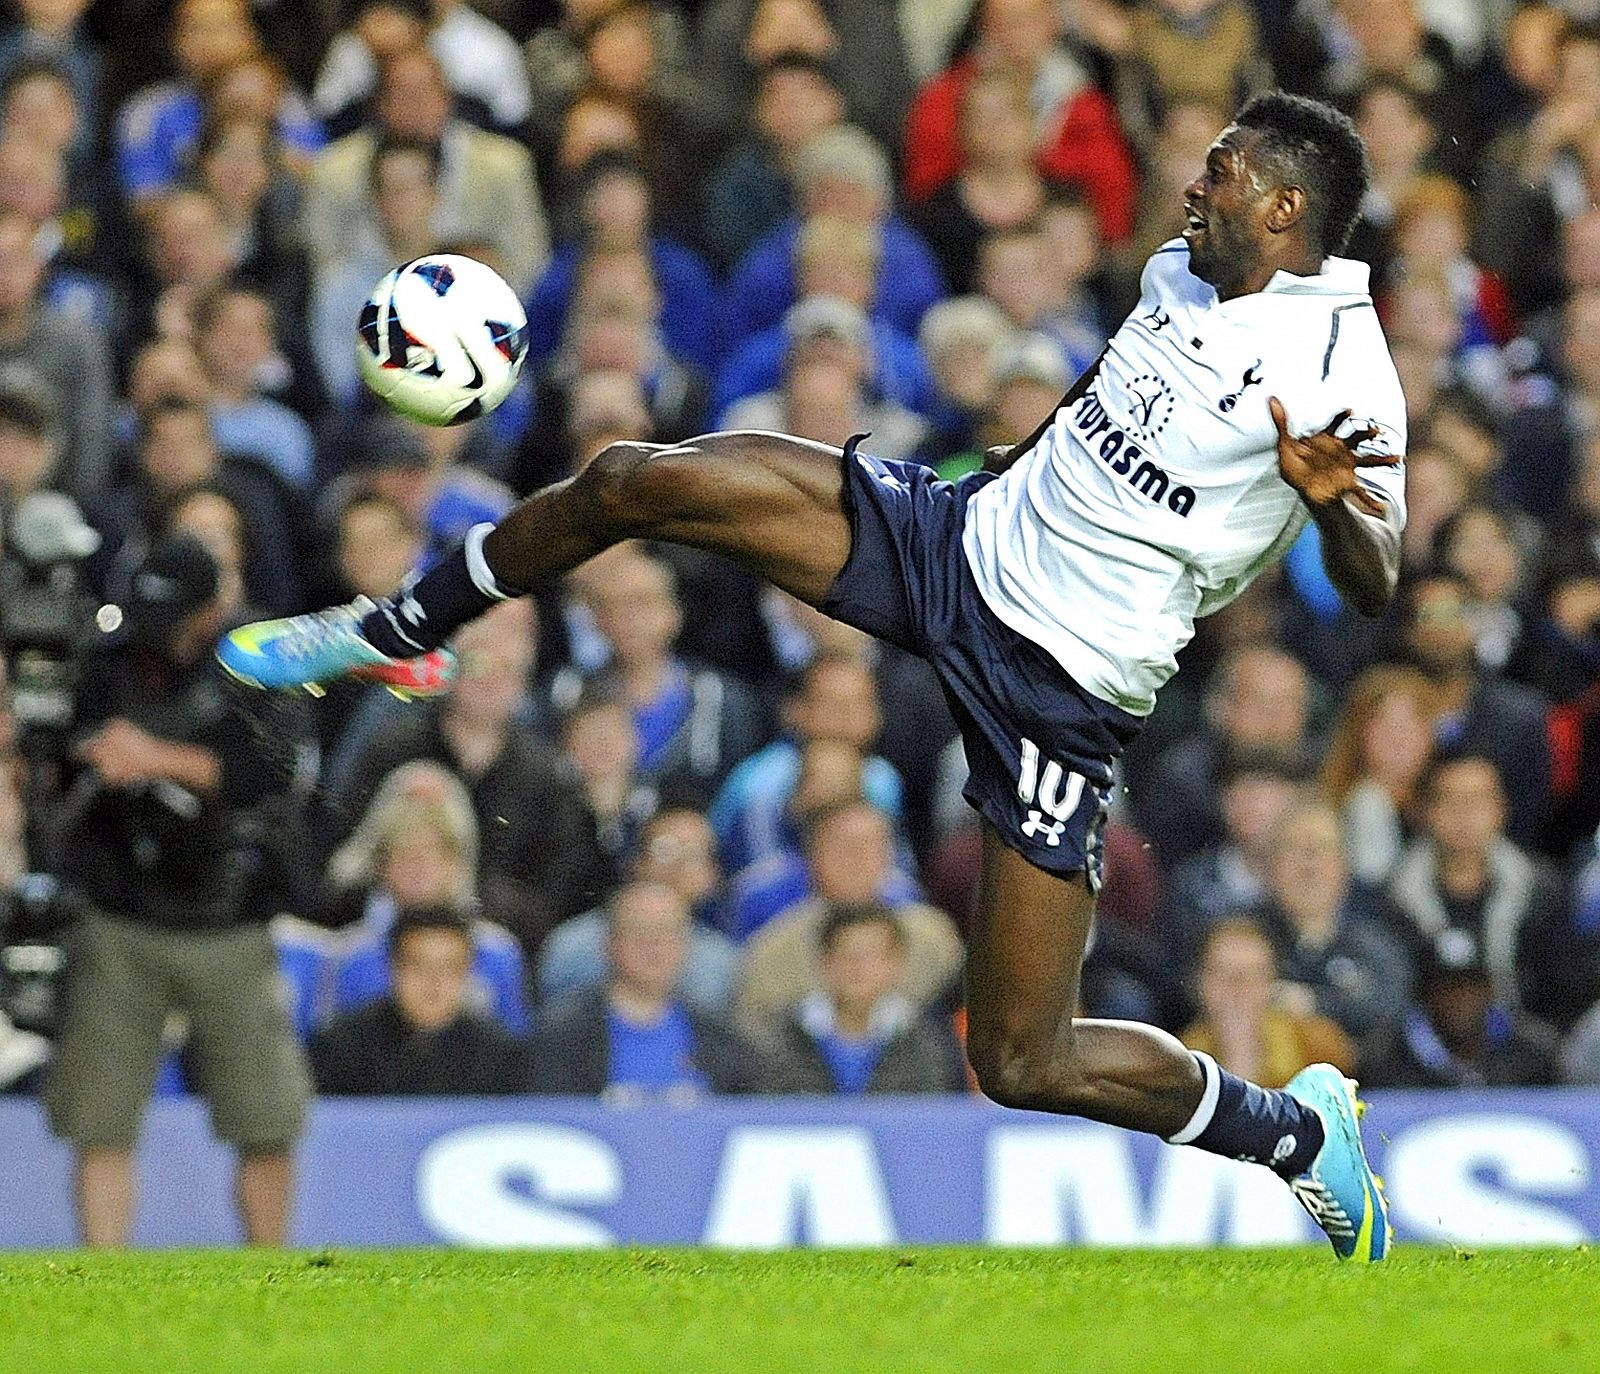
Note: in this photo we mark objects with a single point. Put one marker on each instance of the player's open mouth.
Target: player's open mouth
(1195, 223)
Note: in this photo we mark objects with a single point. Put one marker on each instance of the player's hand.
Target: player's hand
(1322, 466)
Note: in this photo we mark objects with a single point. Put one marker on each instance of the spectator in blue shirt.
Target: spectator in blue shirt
(693, 721)
(835, 260)
(421, 1036)
(237, 340)
(844, 173)
(752, 190)
(417, 846)
(850, 857)
(614, 213)
(157, 128)
(858, 1033)
(837, 702)
(675, 848)
(435, 475)
(636, 1037)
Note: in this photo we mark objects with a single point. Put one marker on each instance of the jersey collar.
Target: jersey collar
(1338, 277)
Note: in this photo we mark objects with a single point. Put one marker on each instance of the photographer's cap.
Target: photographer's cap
(177, 578)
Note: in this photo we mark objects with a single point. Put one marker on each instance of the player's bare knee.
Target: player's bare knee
(1008, 1068)
(1029, 1074)
(618, 482)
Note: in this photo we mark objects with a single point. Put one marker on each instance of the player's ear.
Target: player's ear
(1287, 209)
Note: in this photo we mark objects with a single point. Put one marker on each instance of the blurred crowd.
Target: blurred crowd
(676, 833)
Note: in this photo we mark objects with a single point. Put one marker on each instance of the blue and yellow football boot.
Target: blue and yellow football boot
(1343, 1195)
(305, 651)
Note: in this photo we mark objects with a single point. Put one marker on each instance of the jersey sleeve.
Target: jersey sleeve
(1361, 377)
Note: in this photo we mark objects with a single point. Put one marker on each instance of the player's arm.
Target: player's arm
(1002, 456)
(1360, 529)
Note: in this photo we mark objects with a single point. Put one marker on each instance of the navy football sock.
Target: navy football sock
(427, 610)
(1262, 1125)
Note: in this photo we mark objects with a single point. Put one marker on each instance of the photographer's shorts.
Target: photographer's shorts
(122, 981)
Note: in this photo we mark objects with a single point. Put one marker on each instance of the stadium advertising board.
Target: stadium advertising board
(1478, 1168)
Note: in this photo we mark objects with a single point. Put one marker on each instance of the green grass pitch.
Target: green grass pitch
(1203, 1312)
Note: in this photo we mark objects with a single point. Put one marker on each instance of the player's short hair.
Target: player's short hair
(1317, 148)
(847, 915)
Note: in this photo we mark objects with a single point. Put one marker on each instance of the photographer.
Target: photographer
(44, 615)
(155, 835)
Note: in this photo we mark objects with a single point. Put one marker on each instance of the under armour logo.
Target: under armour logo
(1036, 825)
(1251, 378)
(1157, 320)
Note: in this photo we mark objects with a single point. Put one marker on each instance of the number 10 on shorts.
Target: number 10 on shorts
(1053, 793)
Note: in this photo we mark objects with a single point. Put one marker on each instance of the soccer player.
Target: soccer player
(1250, 390)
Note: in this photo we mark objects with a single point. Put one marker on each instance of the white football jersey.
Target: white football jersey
(1156, 497)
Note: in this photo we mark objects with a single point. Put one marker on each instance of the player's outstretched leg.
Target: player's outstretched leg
(768, 500)
(1029, 1051)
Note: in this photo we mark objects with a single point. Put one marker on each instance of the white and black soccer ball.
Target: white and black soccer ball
(442, 339)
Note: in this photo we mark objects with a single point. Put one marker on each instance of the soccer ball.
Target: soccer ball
(442, 339)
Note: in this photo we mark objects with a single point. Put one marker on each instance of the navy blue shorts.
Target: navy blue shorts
(1039, 747)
